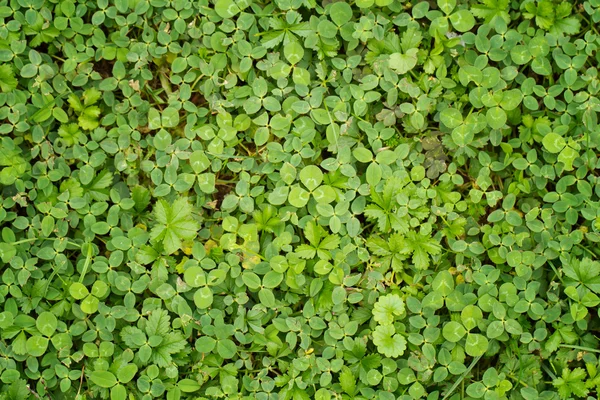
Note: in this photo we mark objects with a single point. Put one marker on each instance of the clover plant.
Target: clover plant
(299, 199)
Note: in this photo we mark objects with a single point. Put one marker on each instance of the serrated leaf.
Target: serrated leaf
(174, 223)
(347, 381)
(158, 323)
(387, 308)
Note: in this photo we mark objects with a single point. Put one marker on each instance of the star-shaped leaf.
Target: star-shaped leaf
(174, 224)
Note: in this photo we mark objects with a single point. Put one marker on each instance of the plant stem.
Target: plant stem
(88, 260)
(570, 346)
(462, 377)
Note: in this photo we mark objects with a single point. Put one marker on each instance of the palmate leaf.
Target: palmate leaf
(422, 247)
(490, 10)
(320, 242)
(387, 308)
(585, 272)
(174, 224)
(378, 246)
(569, 26)
(17, 391)
(392, 251)
(388, 342)
(571, 383)
(172, 343)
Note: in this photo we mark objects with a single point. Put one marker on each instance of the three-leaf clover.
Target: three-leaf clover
(312, 178)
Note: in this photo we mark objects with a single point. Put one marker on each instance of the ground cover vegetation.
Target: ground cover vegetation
(292, 199)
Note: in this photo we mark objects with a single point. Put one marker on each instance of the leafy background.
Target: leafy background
(379, 199)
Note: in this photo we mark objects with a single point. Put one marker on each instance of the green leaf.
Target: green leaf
(127, 372)
(154, 120)
(226, 8)
(226, 348)
(89, 305)
(402, 63)
(133, 337)
(188, 385)
(103, 379)
(203, 298)
(311, 176)
(347, 381)
(171, 343)
(8, 82)
(170, 117)
(6, 320)
(567, 156)
(7, 252)
(388, 342)
(37, 345)
(46, 323)
(174, 223)
(158, 323)
(340, 12)
(553, 142)
(496, 117)
(447, 6)
(443, 283)
(451, 117)
(293, 52)
(387, 308)
(476, 345)
(492, 10)
(453, 331)
(462, 20)
(78, 291)
(298, 197)
(195, 277)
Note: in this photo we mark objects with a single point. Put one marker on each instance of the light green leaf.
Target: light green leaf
(496, 117)
(388, 342)
(476, 344)
(454, 331)
(553, 142)
(402, 63)
(226, 8)
(387, 308)
(174, 223)
(298, 197)
(451, 117)
(311, 176)
(462, 20)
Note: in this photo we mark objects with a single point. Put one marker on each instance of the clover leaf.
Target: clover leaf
(312, 178)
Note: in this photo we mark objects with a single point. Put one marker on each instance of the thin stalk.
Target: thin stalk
(555, 271)
(582, 348)
(34, 239)
(594, 256)
(462, 377)
(88, 260)
(550, 373)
